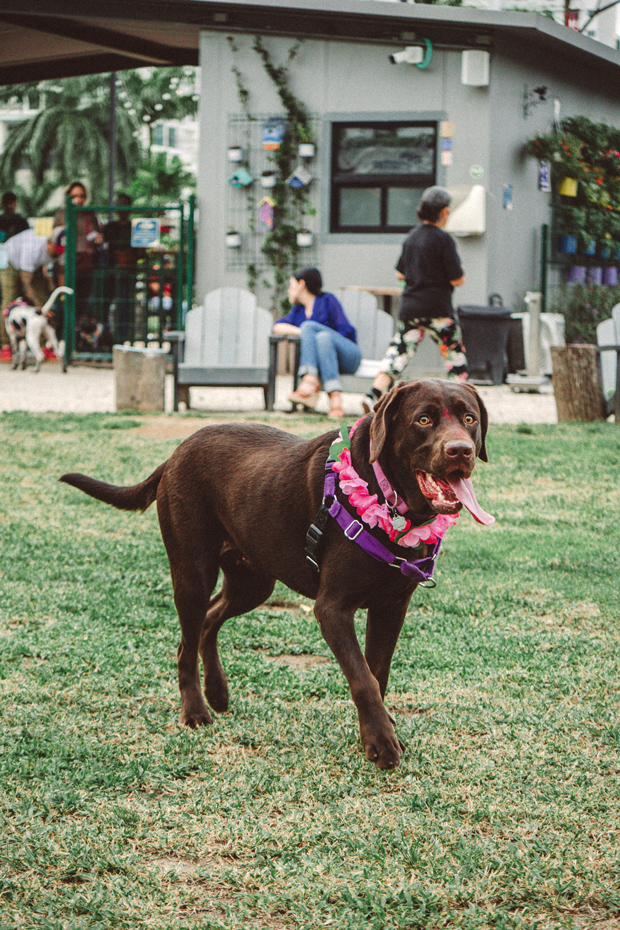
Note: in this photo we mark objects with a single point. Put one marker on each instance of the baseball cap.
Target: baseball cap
(437, 196)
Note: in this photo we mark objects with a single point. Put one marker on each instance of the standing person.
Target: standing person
(89, 236)
(123, 259)
(328, 342)
(11, 222)
(431, 268)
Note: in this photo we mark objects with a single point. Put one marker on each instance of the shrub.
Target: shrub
(584, 306)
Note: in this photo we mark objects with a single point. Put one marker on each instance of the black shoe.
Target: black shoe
(371, 399)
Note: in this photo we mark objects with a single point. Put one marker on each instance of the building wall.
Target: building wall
(336, 79)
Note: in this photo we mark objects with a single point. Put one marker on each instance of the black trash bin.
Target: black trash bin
(485, 337)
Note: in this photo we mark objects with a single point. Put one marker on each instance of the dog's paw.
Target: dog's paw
(383, 748)
(196, 718)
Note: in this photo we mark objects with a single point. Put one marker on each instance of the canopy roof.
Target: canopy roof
(47, 38)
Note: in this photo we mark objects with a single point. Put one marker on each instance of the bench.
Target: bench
(608, 339)
(225, 344)
(374, 328)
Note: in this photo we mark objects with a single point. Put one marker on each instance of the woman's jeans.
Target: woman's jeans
(326, 354)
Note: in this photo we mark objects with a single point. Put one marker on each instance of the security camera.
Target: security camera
(411, 55)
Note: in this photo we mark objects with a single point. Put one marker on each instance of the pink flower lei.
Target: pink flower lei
(375, 514)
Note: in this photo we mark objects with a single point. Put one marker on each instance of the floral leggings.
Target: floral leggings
(408, 336)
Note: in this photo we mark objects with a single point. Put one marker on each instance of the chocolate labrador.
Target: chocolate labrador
(349, 523)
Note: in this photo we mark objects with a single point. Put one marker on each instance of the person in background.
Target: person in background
(11, 222)
(89, 237)
(431, 268)
(26, 275)
(328, 341)
(123, 258)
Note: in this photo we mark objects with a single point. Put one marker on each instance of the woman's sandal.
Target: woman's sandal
(309, 396)
(336, 413)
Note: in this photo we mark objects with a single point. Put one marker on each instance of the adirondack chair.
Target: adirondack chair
(375, 329)
(608, 339)
(225, 343)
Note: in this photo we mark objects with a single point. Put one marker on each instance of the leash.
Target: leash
(418, 569)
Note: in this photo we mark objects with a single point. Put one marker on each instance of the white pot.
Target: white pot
(233, 240)
(235, 153)
(306, 150)
(304, 238)
(268, 180)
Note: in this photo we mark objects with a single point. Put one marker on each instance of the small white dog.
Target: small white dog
(30, 326)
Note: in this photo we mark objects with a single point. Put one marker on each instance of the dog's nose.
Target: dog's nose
(459, 449)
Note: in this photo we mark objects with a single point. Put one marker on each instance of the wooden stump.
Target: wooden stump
(577, 382)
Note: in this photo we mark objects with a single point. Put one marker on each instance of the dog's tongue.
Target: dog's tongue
(464, 490)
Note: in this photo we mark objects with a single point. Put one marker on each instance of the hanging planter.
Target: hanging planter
(306, 150)
(235, 153)
(233, 239)
(268, 179)
(610, 276)
(568, 187)
(595, 275)
(567, 244)
(589, 246)
(304, 238)
(576, 274)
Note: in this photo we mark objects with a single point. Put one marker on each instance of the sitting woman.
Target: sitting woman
(328, 345)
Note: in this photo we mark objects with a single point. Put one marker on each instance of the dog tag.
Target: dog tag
(399, 523)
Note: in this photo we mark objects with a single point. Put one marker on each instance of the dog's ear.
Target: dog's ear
(484, 420)
(384, 411)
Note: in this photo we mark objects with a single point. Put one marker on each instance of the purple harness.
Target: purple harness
(420, 570)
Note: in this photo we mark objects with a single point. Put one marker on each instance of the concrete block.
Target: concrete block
(140, 376)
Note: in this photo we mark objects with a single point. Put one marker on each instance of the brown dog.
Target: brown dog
(241, 497)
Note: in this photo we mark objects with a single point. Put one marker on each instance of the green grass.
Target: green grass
(505, 811)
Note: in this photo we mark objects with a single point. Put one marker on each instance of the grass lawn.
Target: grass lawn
(505, 811)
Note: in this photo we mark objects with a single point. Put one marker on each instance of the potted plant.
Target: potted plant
(569, 222)
(235, 153)
(306, 148)
(233, 239)
(304, 238)
(613, 220)
(268, 178)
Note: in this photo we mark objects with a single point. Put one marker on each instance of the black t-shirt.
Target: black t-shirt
(11, 224)
(429, 261)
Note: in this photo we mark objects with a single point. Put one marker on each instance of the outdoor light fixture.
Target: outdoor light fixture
(413, 55)
(531, 98)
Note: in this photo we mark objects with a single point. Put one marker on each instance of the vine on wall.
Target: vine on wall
(292, 205)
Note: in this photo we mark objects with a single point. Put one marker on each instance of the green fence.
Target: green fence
(126, 292)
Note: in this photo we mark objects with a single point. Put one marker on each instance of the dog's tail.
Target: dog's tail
(137, 497)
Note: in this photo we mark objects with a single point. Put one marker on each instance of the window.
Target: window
(379, 171)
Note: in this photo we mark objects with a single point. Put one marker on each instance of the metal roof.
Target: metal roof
(47, 38)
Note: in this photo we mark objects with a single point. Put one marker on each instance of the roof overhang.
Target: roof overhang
(47, 39)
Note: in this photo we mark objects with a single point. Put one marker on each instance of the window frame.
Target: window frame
(383, 182)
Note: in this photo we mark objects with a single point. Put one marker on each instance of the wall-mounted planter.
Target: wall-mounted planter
(304, 238)
(306, 150)
(268, 179)
(595, 275)
(610, 276)
(605, 251)
(233, 240)
(576, 274)
(568, 187)
(567, 244)
(235, 153)
(589, 247)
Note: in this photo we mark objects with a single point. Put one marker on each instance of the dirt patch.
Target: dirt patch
(301, 663)
(181, 868)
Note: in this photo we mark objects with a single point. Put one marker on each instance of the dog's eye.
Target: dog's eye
(469, 419)
(424, 420)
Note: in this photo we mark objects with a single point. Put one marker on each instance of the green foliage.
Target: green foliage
(505, 811)
(160, 179)
(584, 307)
(68, 136)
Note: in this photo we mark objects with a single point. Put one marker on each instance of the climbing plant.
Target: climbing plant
(291, 204)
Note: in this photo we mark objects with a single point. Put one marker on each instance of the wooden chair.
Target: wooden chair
(608, 339)
(375, 329)
(225, 343)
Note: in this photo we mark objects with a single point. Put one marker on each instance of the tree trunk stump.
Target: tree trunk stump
(577, 382)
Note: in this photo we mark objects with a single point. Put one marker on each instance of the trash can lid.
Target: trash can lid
(486, 311)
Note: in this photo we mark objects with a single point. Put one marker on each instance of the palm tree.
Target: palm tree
(68, 136)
